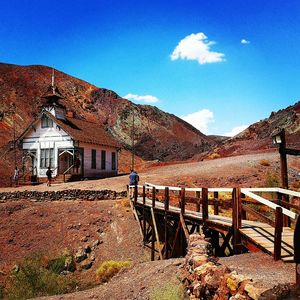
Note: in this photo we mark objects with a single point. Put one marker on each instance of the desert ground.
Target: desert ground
(49, 228)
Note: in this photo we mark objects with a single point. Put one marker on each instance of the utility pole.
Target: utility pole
(132, 146)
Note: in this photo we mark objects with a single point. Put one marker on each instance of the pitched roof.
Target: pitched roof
(87, 132)
(81, 131)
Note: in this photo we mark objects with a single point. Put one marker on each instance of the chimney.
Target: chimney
(70, 114)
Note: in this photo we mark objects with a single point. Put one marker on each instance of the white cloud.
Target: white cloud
(145, 98)
(245, 42)
(197, 47)
(234, 131)
(200, 119)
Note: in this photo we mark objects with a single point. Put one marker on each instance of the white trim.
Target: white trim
(268, 203)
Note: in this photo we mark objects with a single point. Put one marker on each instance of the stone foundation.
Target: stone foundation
(92, 195)
(205, 278)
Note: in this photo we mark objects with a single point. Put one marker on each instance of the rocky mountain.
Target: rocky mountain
(258, 136)
(157, 135)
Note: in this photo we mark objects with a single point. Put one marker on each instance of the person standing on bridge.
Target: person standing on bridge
(133, 180)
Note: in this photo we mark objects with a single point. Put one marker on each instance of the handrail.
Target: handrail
(268, 203)
(65, 172)
(173, 188)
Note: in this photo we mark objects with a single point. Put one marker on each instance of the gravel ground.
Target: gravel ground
(261, 267)
(244, 170)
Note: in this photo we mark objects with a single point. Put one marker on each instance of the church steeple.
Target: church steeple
(52, 96)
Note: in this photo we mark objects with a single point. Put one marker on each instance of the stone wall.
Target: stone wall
(205, 278)
(63, 195)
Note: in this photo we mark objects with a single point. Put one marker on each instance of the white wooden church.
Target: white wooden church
(67, 145)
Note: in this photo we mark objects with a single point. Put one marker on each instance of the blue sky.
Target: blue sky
(218, 64)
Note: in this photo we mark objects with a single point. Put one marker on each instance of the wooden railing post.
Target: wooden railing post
(198, 205)
(182, 201)
(166, 221)
(286, 219)
(144, 221)
(236, 219)
(153, 196)
(278, 233)
(204, 204)
(135, 194)
(297, 250)
(216, 203)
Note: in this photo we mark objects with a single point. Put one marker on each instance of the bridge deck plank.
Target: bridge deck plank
(257, 232)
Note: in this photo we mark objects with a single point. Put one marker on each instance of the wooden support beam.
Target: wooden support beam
(236, 220)
(226, 240)
(278, 233)
(182, 201)
(144, 217)
(166, 202)
(216, 203)
(137, 218)
(186, 233)
(156, 234)
(175, 238)
(204, 204)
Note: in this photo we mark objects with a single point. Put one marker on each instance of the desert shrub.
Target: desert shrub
(264, 162)
(33, 279)
(62, 263)
(124, 203)
(110, 268)
(272, 180)
(168, 292)
(214, 155)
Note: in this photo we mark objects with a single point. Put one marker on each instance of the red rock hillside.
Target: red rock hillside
(258, 136)
(158, 135)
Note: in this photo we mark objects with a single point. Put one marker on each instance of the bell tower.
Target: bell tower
(52, 97)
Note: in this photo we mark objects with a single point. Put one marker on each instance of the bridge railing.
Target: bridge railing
(281, 207)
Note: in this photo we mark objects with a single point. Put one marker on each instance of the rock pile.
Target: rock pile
(85, 256)
(205, 278)
(75, 194)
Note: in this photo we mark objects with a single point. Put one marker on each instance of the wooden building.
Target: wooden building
(69, 146)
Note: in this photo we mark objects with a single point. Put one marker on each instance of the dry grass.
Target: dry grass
(110, 268)
(264, 162)
(214, 155)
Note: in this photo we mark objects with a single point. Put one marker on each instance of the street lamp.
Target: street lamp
(279, 140)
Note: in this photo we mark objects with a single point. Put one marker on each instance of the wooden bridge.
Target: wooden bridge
(236, 220)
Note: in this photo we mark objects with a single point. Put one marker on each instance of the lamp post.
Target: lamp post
(132, 148)
(279, 139)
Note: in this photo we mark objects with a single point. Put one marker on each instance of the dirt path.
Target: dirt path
(244, 170)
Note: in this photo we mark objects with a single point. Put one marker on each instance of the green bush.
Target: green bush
(110, 268)
(272, 180)
(62, 263)
(168, 292)
(35, 280)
